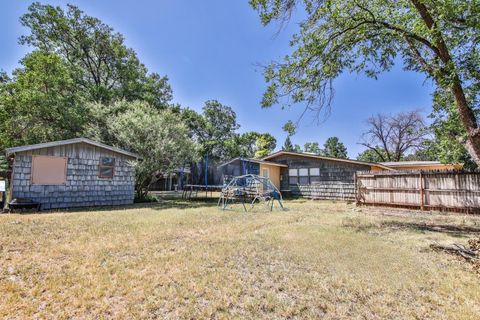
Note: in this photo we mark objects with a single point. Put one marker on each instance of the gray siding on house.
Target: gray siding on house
(237, 168)
(83, 187)
(335, 180)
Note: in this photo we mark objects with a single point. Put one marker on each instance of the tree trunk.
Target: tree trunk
(467, 116)
(469, 121)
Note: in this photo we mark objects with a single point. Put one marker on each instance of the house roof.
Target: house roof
(13, 150)
(410, 163)
(255, 161)
(400, 164)
(314, 156)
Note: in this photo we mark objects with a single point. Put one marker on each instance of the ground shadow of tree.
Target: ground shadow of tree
(163, 204)
(451, 229)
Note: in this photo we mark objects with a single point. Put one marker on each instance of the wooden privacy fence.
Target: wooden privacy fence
(452, 190)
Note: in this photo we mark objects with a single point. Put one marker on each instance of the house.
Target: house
(72, 173)
(315, 176)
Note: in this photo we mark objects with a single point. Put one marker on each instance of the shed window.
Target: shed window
(106, 168)
(314, 171)
(303, 172)
(293, 172)
(49, 170)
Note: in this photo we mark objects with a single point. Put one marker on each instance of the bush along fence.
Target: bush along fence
(425, 190)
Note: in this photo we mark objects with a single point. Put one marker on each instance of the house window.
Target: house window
(49, 170)
(293, 172)
(293, 180)
(106, 168)
(314, 172)
(303, 172)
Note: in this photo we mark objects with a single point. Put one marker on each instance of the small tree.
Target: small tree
(287, 145)
(297, 148)
(371, 155)
(312, 147)
(334, 148)
(160, 137)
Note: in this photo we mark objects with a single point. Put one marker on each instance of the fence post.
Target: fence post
(422, 193)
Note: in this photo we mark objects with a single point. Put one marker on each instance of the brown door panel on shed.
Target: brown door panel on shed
(47, 170)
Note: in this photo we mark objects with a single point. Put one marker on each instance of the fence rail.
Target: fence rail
(457, 191)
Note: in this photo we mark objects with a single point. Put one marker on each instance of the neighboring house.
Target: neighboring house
(72, 173)
(310, 175)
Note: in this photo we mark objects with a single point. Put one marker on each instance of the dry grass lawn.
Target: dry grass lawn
(189, 260)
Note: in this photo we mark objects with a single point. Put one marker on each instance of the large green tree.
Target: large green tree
(160, 137)
(103, 67)
(436, 37)
(40, 103)
(251, 145)
(215, 130)
(334, 148)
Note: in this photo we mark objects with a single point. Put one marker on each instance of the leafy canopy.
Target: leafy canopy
(104, 69)
(334, 148)
(160, 137)
(438, 38)
(312, 147)
(40, 103)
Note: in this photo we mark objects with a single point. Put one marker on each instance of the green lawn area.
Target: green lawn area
(190, 260)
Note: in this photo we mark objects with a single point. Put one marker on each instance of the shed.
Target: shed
(72, 173)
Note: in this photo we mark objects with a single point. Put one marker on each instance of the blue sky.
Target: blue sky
(211, 49)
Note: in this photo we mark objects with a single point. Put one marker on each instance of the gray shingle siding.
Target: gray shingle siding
(83, 187)
(336, 179)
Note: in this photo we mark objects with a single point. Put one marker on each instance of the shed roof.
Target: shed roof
(255, 161)
(13, 150)
(314, 156)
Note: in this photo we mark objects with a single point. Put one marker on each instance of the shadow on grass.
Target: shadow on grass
(391, 226)
(454, 230)
(162, 204)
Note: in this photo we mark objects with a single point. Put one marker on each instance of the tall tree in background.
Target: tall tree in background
(40, 103)
(372, 155)
(392, 137)
(312, 147)
(290, 129)
(251, 145)
(103, 68)
(297, 148)
(287, 145)
(264, 145)
(437, 38)
(213, 129)
(334, 148)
